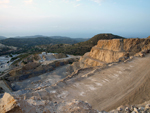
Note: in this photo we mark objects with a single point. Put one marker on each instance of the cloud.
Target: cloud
(66, 1)
(98, 1)
(4, 1)
(77, 5)
(28, 1)
(78, 0)
(51, 1)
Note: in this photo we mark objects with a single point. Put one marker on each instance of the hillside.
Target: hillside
(6, 49)
(82, 47)
(2, 37)
(56, 44)
(30, 42)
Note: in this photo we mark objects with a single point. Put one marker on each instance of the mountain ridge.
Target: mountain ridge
(2, 37)
(82, 47)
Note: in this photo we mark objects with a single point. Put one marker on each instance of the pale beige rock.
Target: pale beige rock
(114, 44)
(9, 104)
(136, 110)
(106, 55)
(147, 106)
(108, 51)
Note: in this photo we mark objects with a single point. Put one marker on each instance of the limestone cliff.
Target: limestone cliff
(108, 51)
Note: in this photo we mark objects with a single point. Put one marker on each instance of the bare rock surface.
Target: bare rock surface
(100, 79)
(115, 50)
(76, 107)
(46, 79)
(9, 105)
(103, 88)
(33, 69)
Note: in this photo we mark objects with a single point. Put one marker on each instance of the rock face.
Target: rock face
(108, 51)
(33, 69)
(9, 105)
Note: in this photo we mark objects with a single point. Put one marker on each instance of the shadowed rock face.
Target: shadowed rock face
(108, 51)
(33, 69)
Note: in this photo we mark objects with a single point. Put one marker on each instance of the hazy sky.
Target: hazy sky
(75, 18)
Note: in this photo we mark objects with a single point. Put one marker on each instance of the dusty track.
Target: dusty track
(105, 89)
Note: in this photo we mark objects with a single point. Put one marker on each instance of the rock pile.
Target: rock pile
(10, 105)
(132, 109)
(76, 106)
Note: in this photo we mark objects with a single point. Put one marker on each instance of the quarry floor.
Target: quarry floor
(105, 89)
(46, 79)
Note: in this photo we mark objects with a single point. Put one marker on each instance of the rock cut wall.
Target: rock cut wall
(108, 51)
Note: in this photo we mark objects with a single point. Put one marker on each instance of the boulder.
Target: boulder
(8, 104)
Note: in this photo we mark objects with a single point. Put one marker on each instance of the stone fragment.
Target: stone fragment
(147, 106)
(127, 109)
(8, 104)
(136, 110)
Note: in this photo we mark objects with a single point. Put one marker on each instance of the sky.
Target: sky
(75, 18)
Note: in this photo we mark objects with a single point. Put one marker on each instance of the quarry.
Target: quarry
(113, 77)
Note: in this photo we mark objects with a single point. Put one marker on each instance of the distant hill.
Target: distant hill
(76, 39)
(81, 39)
(81, 47)
(30, 42)
(55, 37)
(2, 37)
(35, 36)
(93, 41)
(148, 37)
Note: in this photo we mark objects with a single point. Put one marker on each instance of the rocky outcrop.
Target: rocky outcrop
(33, 69)
(9, 105)
(115, 50)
